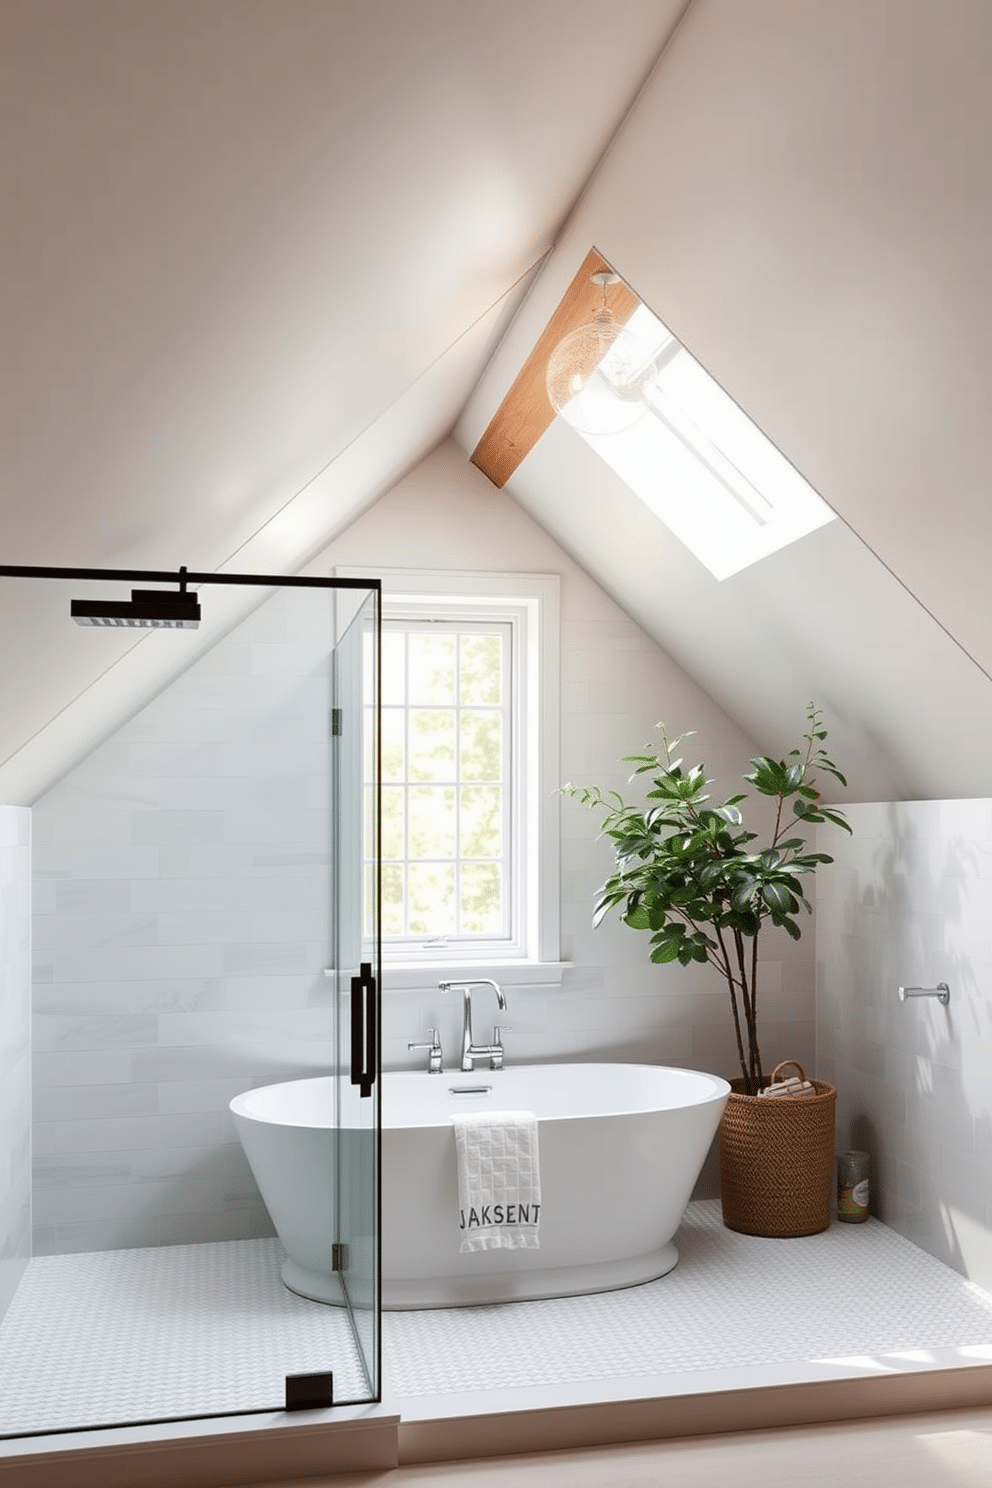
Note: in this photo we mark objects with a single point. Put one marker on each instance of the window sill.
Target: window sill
(414, 976)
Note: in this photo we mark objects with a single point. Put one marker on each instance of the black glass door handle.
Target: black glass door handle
(364, 1031)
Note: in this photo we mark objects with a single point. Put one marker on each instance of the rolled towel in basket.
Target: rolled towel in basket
(792, 1086)
(499, 1180)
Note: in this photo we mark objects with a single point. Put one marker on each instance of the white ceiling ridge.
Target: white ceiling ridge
(603, 159)
(501, 303)
(489, 396)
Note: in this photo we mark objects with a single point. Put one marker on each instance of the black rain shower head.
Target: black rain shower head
(148, 609)
(155, 609)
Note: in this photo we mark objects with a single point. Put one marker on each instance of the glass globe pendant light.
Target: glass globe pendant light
(596, 373)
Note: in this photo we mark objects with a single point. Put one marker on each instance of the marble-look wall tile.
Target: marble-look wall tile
(181, 930)
(906, 902)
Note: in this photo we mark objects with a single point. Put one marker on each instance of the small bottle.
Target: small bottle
(853, 1186)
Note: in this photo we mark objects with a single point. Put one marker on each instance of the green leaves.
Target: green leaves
(685, 868)
(778, 898)
(687, 873)
(675, 943)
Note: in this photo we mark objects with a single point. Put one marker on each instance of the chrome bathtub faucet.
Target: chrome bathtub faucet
(472, 1051)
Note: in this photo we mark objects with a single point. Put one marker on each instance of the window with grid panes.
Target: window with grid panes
(471, 827)
(447, 838)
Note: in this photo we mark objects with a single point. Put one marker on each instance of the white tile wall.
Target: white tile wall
(907, 902)
(181, 928)
(15, 1048)
(181, 883)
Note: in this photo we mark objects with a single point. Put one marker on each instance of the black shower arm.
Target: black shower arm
(183, 577)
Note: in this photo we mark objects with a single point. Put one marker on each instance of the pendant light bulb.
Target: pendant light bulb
(595, 375)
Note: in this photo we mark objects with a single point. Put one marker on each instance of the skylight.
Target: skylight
(703, 467)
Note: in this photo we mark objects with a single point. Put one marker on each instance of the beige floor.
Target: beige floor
(951, 1449)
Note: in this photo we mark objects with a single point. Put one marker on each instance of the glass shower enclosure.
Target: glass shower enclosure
(206, 942)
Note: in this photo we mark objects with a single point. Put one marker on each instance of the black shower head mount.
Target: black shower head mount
(147, 609)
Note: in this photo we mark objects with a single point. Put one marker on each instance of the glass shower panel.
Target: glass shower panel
(190, 947)
(356, 718)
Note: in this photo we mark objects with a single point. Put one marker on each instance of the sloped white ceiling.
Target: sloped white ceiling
(240, 235)
(800, 193)
(257, 254)
(236, 231)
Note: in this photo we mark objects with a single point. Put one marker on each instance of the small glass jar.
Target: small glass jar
(853, 1186)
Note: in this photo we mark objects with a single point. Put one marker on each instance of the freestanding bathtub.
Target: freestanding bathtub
(621, 1147)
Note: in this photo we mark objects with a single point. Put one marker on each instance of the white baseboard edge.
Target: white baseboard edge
(702, 1413)
(207, 1454)
(277, 1448)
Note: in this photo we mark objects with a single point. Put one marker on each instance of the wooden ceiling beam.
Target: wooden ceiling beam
(526, 411)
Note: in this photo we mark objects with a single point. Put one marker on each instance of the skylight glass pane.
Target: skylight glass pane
(704, 467)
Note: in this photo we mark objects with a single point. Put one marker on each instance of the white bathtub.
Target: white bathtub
(621, 1146)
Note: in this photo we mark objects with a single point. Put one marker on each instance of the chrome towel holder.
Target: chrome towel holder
(942, 992)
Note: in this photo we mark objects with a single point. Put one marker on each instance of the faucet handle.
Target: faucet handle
(434, 1051)
(496, 1049)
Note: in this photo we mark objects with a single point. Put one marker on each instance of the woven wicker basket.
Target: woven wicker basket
(777, 1159)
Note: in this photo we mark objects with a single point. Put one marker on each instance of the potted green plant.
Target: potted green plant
(693, 875)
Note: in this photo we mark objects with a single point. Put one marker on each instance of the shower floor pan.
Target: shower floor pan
(725, 1340)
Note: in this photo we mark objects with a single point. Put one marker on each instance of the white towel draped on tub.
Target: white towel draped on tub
(499, 1180)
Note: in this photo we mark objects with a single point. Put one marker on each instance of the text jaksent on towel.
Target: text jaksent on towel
(499, 1180)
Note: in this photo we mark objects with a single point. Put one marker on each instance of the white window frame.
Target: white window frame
(531, 604)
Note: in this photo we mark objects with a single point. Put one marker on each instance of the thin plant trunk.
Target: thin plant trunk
(747, 981)
(727, 972)
(747, 998)
(755, 1052)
